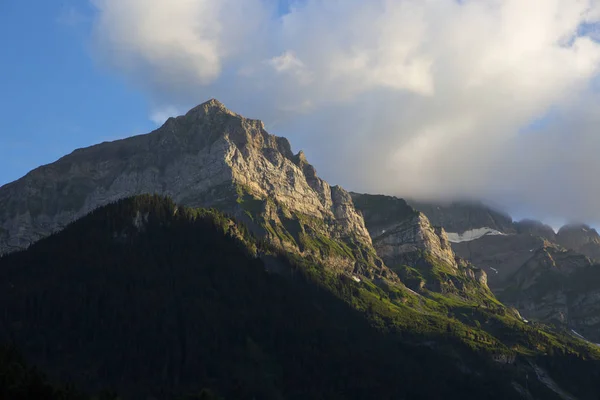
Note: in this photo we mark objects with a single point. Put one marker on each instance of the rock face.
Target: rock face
(547, 277)
(580, 238)
(500, 256)
(419, 252)
(535, 228)
(458, 217)
(399, 243)
(558, 286)
(400, 232)
(210, 157)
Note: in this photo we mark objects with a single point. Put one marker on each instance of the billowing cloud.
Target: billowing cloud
(490, 99)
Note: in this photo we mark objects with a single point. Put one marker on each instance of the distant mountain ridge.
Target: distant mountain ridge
(529, 266)
(461, 216)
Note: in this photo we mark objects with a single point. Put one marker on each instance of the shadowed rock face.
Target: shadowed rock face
(500, 256)
(535, 228)
(199, 159)
(405, 239)
(459, 217)
(398, 230)
(557, 286)
(580, 238)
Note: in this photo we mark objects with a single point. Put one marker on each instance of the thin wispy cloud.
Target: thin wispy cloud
(427, 98)
(160, 115)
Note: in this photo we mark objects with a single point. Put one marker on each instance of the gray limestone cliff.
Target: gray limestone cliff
(403, 239)
(419, 252)
(210, 157)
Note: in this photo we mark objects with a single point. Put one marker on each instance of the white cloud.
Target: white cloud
(421, 98)
(288, 63)
(159, 116)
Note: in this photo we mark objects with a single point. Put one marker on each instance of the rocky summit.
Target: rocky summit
(210, 157)
(581, 238)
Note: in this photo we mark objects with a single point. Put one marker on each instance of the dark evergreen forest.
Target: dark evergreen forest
(145, 298)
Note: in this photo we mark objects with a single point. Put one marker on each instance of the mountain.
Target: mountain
(199, 159)
(500, 255)
(580, 238)
(210, 157)
(292, 289)
(461, 216)
(547, 276)
(468, 221)
(418, 252)
(154, 299)
(560, 287)
(535, 228)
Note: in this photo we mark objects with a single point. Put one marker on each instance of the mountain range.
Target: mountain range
(207, 257)
(548, 276)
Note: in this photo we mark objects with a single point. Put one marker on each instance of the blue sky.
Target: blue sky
(54, 97)
(480, 99)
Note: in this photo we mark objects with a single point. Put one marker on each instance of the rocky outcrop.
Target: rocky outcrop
(419, 252)
(535, 228)
(461, 216)
(557, 286)
(210, 157)
(400, 233)
(500, 256)
(580, 238)
(401, 242)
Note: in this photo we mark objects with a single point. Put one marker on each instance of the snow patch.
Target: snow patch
(472, 234)
(582, 338)
(577, 334)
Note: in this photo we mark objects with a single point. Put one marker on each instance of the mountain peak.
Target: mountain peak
(581, 238)
(210, 107)
(577, 227)
(210, 157)
(213, 103)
